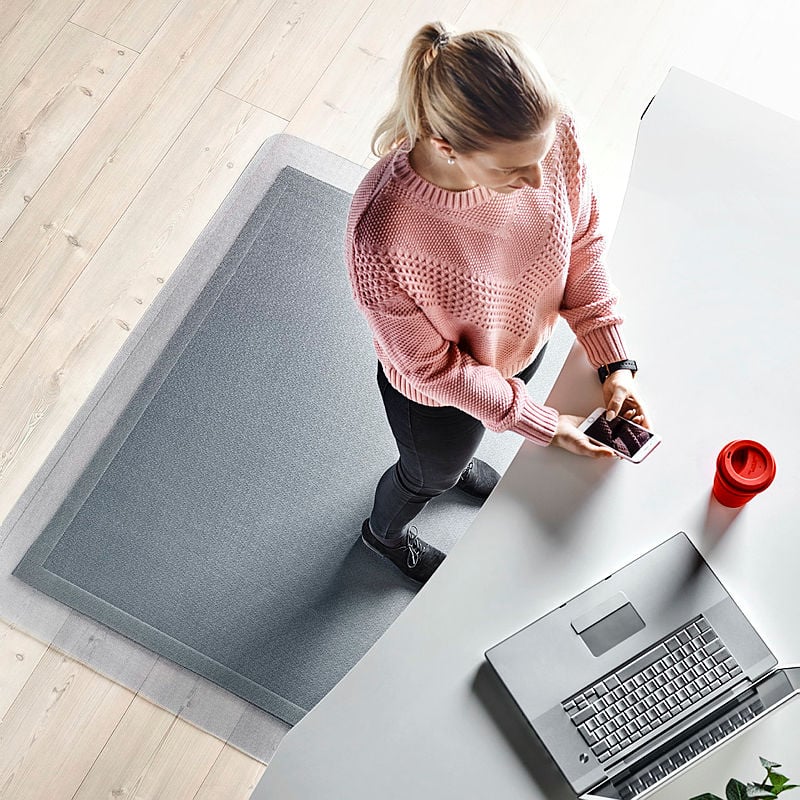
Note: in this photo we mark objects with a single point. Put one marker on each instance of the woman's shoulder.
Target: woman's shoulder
(366, 196)
(568, 133)
(567, 155)
(385, 211)
(371, 184)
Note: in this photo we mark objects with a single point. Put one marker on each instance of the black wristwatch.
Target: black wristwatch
(607, 369)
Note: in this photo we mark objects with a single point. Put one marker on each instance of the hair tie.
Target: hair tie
(441, 40)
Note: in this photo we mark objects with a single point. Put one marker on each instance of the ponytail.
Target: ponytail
(472, 89)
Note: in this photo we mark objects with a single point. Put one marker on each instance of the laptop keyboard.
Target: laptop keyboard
(688, 751)
(648, 692)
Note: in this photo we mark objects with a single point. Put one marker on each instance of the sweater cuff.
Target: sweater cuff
(604, 345)
(537, 423)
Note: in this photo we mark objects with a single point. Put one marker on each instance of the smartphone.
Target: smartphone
(626, 438)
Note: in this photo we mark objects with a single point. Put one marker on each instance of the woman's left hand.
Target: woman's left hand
(622, 398)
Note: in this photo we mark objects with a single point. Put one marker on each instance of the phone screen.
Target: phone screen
(619, 434)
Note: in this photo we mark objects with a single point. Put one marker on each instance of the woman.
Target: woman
(465, 242)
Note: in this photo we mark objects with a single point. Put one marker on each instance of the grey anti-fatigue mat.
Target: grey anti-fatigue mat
(216, 522)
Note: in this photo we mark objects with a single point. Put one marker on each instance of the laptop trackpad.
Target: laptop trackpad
(608, 624)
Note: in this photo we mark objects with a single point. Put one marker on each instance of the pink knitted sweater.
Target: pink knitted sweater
(462, 288)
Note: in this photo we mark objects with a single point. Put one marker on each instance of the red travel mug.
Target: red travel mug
(744, 468)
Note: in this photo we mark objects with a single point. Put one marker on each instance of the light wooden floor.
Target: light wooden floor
(123, 125)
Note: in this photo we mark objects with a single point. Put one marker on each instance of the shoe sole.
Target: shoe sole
(386, 558)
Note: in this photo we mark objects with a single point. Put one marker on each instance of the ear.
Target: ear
(443, 146)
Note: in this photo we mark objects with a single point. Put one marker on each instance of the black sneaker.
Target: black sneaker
(415, 558)
(478, 479)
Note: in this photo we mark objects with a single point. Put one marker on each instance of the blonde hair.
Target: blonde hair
(472, 89)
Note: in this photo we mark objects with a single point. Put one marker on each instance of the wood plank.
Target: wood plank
(359, 86)
(194, 699)
(234, 775)
(56, 726)
(106, 651)
(530, 22)
(49, 108)
(585, 69)
(13, 12)
(268, 72)
(86, 194)
(27, 27)
(151, 755)
(19, 656)
(132, 24)
(64, 361)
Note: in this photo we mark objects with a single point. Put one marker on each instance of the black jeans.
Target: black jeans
(435, 445)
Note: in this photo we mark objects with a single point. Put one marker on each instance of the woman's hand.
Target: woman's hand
(622, 399)
(570, 438)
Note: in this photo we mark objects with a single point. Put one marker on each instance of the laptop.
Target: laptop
(629, 683)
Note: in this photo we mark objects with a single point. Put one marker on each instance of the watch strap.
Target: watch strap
(607, 369)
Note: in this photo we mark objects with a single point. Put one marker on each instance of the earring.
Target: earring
(451, 161)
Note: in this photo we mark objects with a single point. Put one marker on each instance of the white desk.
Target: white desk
(707, 258)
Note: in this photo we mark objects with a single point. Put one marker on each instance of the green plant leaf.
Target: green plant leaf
(777, 780)
(754, 790)
(735, 790)
(706, 796)
(768, 765)
(786, 786)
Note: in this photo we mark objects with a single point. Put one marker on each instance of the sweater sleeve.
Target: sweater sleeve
(438, 368)
(589, 302)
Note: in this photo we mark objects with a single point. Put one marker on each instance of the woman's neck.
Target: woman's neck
(426, 160)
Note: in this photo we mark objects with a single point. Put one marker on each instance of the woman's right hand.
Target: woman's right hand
(570, 438)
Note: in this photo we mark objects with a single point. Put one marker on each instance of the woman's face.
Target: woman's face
(508, 166)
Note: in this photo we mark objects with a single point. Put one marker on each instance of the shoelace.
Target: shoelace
(415, 547)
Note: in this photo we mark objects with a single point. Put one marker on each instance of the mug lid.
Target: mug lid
(746, 465)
